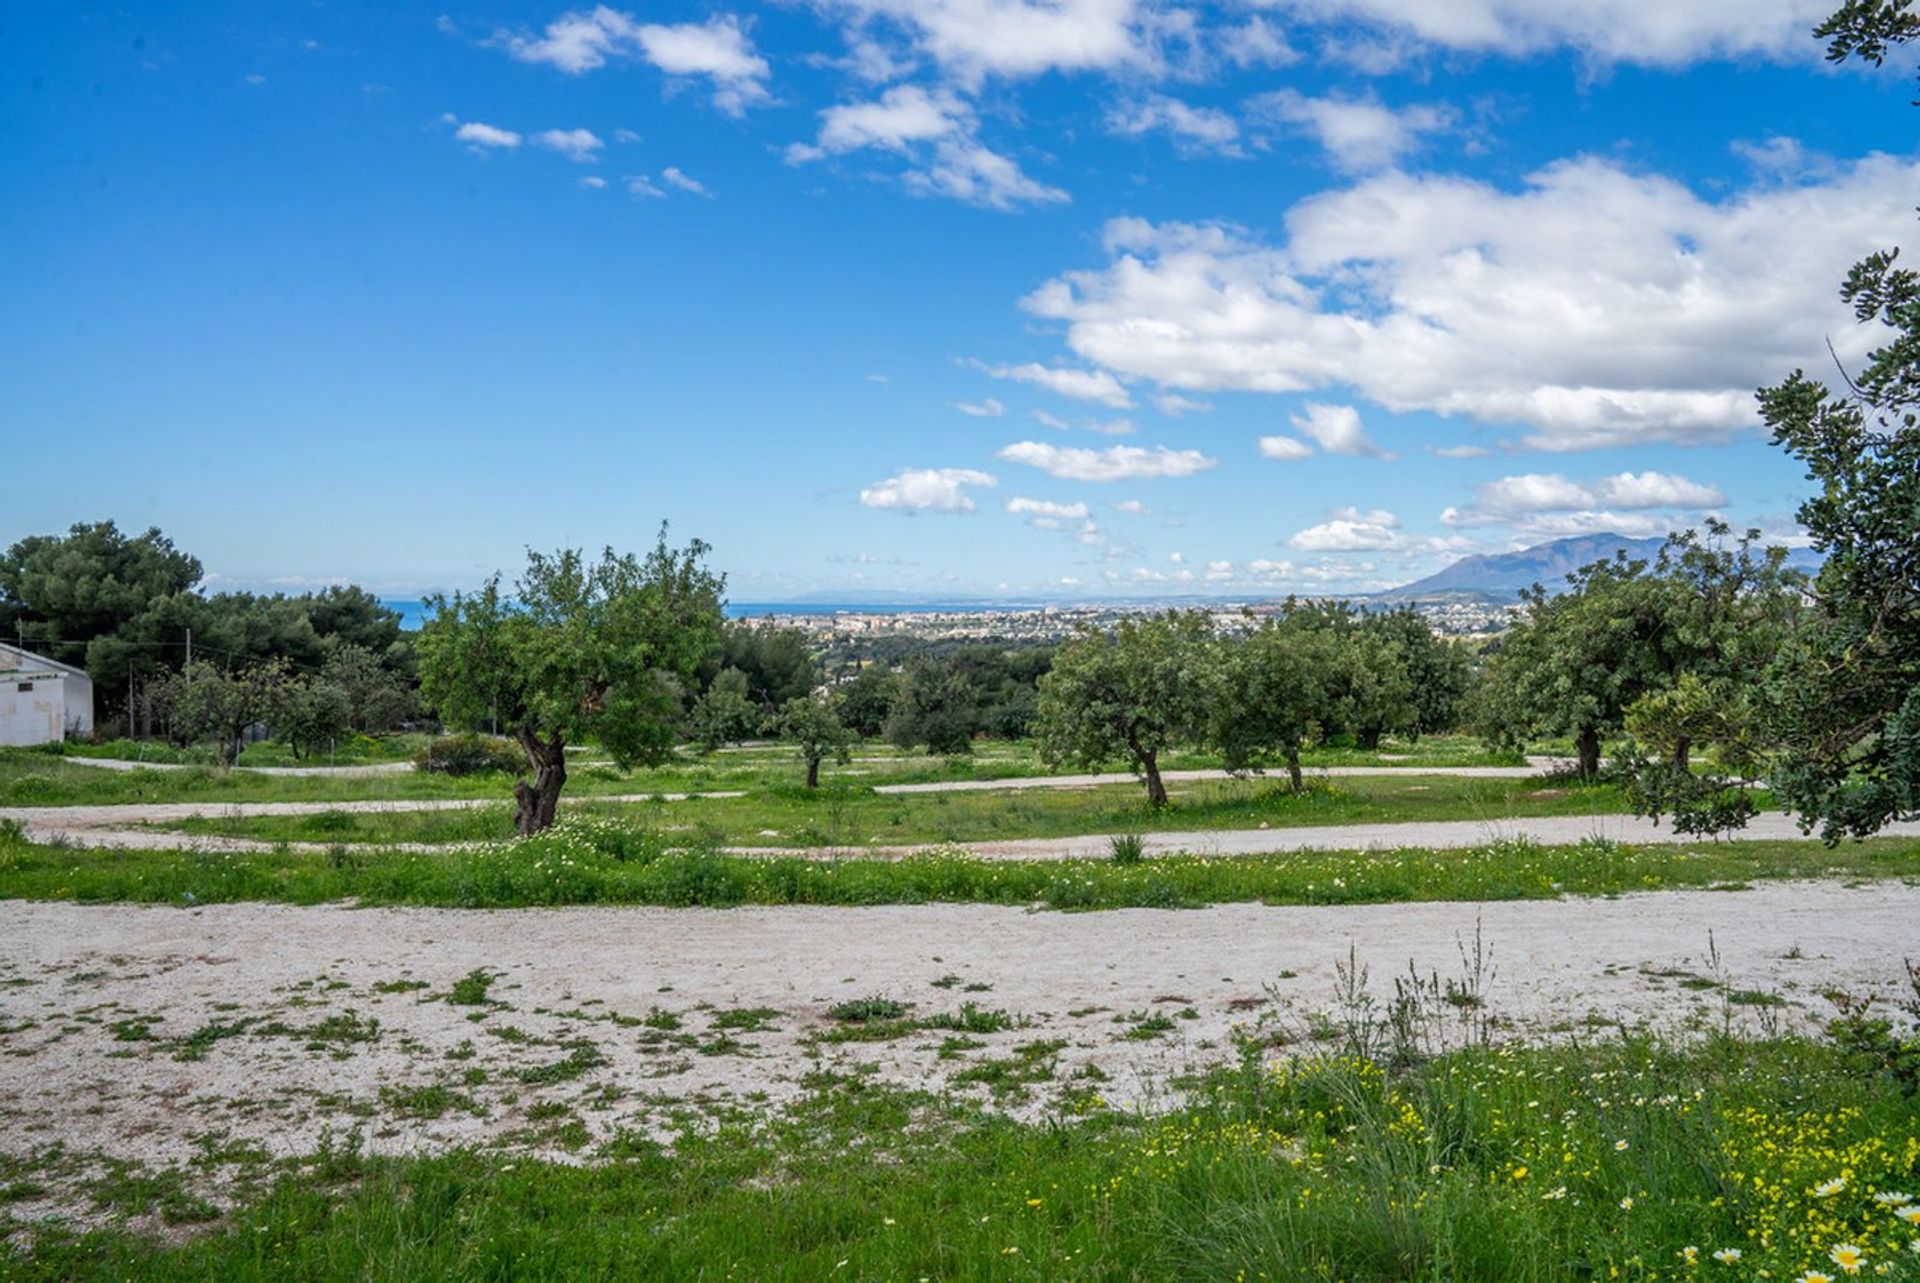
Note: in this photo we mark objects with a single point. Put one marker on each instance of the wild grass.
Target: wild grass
(1625, 1158)
(39, 777)
(584, 863)
(852, 816)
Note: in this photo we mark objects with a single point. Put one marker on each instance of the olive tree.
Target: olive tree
(1133, 693)
(205, 701)
(1275, 695)
(602, 649)
(812, 723)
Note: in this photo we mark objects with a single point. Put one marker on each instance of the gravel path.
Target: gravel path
(1535, 766)
(318, 772)
(97, 1003)
(116, 826)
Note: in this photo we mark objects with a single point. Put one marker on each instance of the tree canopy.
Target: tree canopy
(582, 649)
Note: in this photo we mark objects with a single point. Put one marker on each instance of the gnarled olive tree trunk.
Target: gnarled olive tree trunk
(535, 804)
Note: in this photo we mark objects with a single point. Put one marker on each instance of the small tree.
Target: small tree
(378, 699)
(866, 701)
(812, 723)
(1275, 695)
(1132, 694)
(938, 705)
(317, 713)
(204, 701)
(583, 649)
(724, 713)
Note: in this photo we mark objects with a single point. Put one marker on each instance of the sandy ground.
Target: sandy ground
(98, 1005)
(1535, 766)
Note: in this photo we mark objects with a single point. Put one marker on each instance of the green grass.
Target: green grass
(591, 864)
(1614, 1160)
(39, 777)
(846, 816)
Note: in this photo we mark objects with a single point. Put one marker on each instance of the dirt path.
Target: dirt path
(1535, 766)
(317, 772)
(128, 1031)
(117, 826)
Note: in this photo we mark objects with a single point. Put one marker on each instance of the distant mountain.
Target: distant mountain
(1502, 576)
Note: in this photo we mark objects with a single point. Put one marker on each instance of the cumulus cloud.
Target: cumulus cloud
(1132, 507)
(1047, 508)
(1460, 451)
(1350, 530)
(926, 490)
(1116, 463)
(582, 145)
(481, 136)
(1553, 503)
(990, 408)
(673, 175)
(1287, 448)
(1647, 32)
(937, 132)
(717, 50)
(1084, 385)
(1596, 306)
(1175, 406)
(974, 39)
(1193, 129)
(1337, 429)
(1359, 134)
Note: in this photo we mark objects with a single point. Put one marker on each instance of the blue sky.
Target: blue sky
(954, 297)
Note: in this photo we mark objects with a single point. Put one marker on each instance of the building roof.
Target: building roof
(13, 659)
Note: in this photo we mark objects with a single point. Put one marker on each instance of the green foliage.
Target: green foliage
(316, 715)
(812, 724)
(1133, 694)
(724, 713)
(601, 650)
(776, 662)
(205, 701)
(471, 754)
(378, 697)
(867, 700)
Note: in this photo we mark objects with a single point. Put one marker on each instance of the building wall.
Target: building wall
(77, 686)
(37, 715)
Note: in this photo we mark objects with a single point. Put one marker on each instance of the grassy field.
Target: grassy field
(844, 815)
(587, 863)
(1621, 1159)
(31, 777)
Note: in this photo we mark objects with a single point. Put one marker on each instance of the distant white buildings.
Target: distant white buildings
(42, 701)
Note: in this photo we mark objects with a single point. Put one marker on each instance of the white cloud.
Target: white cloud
(938, 133)
(1132, 507)
(926, 490)
(718, 49)
(1047, 508)
(673, 175)
(1648, 32)
(1084, 385)
(1596, 306)
(479, 136)
(1338, 430)
(1193, 129)
(1287, 448)
(990, 408)
(1359, 134)
(639, 185)
(1552, 503)
(903, 115)
(581, 145)
(1049, 420)
(593, 181)
(1351, 530)
(973, 39)
(970, 171)
(1173, 405)
(1112, 427)
(1116, 463)
(1460, 451)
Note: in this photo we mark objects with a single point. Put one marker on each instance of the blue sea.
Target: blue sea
(413, 614)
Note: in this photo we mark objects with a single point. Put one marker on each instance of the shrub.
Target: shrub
(1127, 848)
(471, 755)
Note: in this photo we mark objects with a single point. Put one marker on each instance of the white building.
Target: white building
(42, 701)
